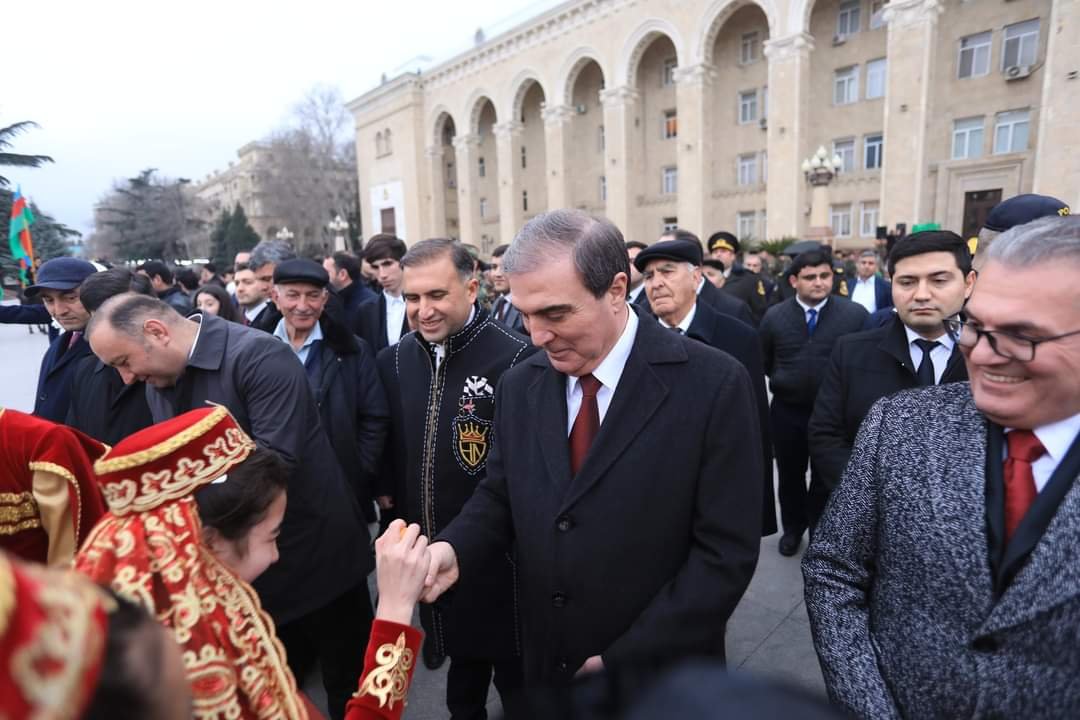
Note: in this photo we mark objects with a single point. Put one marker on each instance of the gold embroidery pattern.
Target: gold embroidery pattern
(18, 512)
(389, 679)
(76, 513)
(109, 464)
(7, 593)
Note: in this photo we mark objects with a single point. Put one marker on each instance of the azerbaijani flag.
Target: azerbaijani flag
(22, 247)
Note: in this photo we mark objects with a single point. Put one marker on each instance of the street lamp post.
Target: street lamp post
(820, 170)
(338, 226)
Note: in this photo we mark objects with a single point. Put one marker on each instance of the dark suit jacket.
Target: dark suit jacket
(513, 320)
(371, 323)
(102, 406)
(54, 379)
(749, 288)
(352, 297)
(714, 298)
(643, 556)
(882, 291)
(906, 616)
(741, 342)
(864, 367)
(324, 543)
(796, 362)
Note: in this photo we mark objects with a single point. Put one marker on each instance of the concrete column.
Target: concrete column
(911, 49)
(465, 150)
(436, 219)
(622, 182)
(1057, 171)
(556, 122)
(789, 99)
(693, 103)
(507, 149)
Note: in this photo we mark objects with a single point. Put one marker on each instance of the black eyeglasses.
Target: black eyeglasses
(1006, 344)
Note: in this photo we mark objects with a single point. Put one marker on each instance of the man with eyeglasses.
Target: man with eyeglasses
(932, 278)
(943, 579)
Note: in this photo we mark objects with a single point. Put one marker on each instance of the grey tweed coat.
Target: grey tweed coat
(898, 580)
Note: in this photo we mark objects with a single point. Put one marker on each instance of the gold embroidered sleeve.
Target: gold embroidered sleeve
(54, 508)
(388, 681)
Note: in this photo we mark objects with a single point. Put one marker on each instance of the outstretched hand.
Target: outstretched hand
(442, 573)
(401, 567)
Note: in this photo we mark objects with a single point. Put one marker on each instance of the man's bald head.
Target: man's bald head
(142, 337)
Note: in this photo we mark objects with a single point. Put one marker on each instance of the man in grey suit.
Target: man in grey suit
(944, 577)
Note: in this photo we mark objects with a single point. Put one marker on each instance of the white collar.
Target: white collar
(869, 280)
(253, 312)
(806, 307)
(197, 317)
(1057, 437)
(611, 367)
(946, 339)
(393, 298)
(281, 332)
(702, 284)
(684, 325)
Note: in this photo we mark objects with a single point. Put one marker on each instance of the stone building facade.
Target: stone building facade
(699, 113)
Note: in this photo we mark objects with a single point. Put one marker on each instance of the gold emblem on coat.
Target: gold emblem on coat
(473, 441)
(761, 288)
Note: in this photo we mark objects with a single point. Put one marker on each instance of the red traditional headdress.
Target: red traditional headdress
(148, 549)
(52, 641)
(30, 513)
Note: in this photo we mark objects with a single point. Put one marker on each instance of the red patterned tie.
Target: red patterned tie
(586, 424)
(1020, 492)
(74, 339)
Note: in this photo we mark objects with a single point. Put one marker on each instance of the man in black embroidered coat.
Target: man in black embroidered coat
(441, 380)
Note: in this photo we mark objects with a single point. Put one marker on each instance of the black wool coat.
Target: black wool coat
(644, 554)
(54, 379)
(444, 434)
(102, 406)
(865, 367)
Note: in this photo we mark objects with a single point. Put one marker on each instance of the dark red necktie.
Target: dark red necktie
(74, 339)
(1020, 492)
(586, 424)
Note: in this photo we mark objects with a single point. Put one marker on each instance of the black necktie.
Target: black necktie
(677, 329)
(925, 374)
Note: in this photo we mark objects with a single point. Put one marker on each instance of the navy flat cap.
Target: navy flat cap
(63, 273)
(1021, 210)
(678, 250)
(301, 270)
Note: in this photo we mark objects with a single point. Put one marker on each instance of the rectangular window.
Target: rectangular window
(967, 138)
(746, 225)
(975, 55)
(600, 140)
(671, 125)
(481, 167)
(525, 200)
(668, 73)
(847, 20)
(670, 181)
(877, 15)
(603, 188)
(875, 78)
(671, 223)
(868, 219)
(765, 102)
(1021, 44)
(748, 110)
(748, 49)
(1011, 131)
(483, 207)
(872, 147)
(747, 171)
(764, 166)
(846, 85)
(524, 158)
(840, 219)
(846, 150)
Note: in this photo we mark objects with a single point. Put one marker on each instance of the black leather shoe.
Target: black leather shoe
(789, 543)
(432, 659)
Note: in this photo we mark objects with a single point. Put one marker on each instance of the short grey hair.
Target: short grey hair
(870, 254)
(127, 312)
(270, 251)
(596, 245)
(1048, 239)
(427, 251)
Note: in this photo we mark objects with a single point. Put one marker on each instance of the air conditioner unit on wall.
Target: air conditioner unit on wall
(839, 40)
(763, 123)
(1017, 72)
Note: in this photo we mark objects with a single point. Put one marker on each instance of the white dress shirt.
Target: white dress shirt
(684, 325)
(807, 308)
(282, 333)
(253, 312)
(395, 317)
(1057, 438)
(939, 355)
(864, 294)
(607, 372)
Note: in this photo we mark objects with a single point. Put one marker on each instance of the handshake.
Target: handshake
(408, 570)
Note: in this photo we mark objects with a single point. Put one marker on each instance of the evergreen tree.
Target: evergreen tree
(240, 236)
(219, 250)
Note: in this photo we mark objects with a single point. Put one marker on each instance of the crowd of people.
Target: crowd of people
(566, 451)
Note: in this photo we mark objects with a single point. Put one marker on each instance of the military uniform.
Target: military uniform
(740, 282)
(442, 399)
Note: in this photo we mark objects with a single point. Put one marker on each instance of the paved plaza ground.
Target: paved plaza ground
(768, 634)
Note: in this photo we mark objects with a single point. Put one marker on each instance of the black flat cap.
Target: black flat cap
(710, 262)
(678, 250)
(63, 273)
(301, 270)
(1023, 209)
(725, 240)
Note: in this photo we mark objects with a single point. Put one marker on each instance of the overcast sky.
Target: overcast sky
(118, 85)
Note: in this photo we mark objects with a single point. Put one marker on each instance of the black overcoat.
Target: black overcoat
(54, 379)
(643, 556)
(102, 406)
